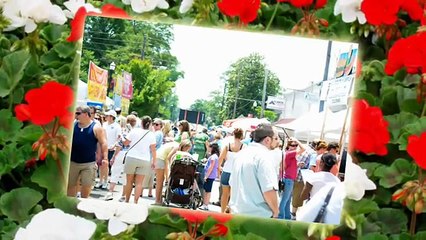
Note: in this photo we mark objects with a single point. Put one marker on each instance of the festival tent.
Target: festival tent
(310, 125)
(248, 124)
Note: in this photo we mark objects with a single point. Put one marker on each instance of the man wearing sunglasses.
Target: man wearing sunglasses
(253, 180)
(86, 136)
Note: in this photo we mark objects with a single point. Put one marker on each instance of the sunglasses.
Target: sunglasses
(157, 124)
(294, 145)
(77, 113)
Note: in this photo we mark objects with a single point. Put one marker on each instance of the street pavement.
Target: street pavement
(145, 200)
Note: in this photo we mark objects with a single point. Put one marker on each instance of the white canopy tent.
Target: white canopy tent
(309, 126)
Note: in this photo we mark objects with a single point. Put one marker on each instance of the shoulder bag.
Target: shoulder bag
(321, 214)
(128, 150)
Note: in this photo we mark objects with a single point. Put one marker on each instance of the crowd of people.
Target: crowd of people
(249, 165)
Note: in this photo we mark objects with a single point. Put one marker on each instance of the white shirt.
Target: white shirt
(142, 150)
(230, 157)
(251, 176)
(320, 179)
(277, 155)
(113, 132)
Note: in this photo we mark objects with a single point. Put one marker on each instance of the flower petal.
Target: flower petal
(115, 226)
(77, 25)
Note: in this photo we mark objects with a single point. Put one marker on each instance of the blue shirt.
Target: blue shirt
(84, 144)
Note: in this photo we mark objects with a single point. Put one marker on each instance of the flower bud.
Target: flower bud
(172, 236)
(352, 30)
(323, 22)
(418, 208)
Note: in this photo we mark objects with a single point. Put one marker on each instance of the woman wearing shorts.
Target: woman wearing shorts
(228, 154)
(210, 174)
(160, 165)
(138, 159)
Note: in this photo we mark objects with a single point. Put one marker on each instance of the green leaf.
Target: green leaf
(67, 204)
(390, 221)
(33, 69)
(362, 206)
(8, 229)
(11, 156)
(420, 235)
(389, 101)
(267, 228)
(17, 203)
(371, 99)
(402, 236)
(400, 75)
(18, 94)
(29, 134)
(397, 122)
(65, 49)
(48, 176)
(382, 196)
(401, 169)
(415, 128)
(167, 220)
(51, 59)
(249, 236)
(374, 236)
(12, 71)
(411, 106)
(52, 32)
(9, 126)
(370, 167)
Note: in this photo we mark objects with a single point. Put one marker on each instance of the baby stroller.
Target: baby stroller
(182, 189)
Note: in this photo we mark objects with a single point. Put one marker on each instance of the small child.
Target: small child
(210, 174)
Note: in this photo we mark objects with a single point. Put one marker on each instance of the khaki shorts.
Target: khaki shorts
(136, 166)
(86, 172)
(160, 164)
(297, 190)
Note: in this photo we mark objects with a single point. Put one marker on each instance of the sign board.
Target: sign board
(275, 103)
(97, 83)
(324, 90)
(192, 116)
(338, 93)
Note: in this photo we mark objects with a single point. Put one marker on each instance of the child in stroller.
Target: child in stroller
(182, 189)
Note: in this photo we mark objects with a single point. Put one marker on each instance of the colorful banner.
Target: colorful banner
(125, 103)
(117, 101)
(127, 85)
(118, 88)
(346, 64)
(97, 83)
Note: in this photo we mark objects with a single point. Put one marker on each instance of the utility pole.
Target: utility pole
(265, 80)
(236, 94)
(325, 77)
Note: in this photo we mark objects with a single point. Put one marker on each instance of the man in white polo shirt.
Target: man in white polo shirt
(253, 180)
(113, 134)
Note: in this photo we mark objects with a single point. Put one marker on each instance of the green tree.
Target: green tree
(151, 87)
(244, 85)
(212, 107)
(87, 56)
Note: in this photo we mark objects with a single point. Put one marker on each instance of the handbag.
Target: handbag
(321, 214)
(280, 180)
(128, 150)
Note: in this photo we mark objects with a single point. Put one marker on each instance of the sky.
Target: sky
(205, 54)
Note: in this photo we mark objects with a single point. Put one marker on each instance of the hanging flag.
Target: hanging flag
(127, 85)
(97, 83)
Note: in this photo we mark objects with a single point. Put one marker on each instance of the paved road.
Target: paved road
(100, 194)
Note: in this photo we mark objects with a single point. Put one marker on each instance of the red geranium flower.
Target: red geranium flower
(306, 3)
(369, 132)
(381, 12)
(386, 12)
(409, 53)
(200, 216)
(218, 230)
(416, 149)
(333, 238)
(246, 10)
(46, 103)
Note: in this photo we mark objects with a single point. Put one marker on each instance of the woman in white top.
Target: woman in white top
(138, 159)
(322, 178)
(228, 154)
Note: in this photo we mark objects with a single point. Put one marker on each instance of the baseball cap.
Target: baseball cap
(111, 113)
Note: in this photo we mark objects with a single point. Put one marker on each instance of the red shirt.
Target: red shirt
(290, 165)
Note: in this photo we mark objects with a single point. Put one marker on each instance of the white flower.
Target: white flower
(356, 181)
(119, 214)
(185, 6)
(74, 5)
(2, 2)
(53, 224)
(350, 10)
(141, 6)
(23, 13)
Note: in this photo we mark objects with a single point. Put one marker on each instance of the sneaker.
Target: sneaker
(98, 185)
(122, 199)
(109, 196)
(78, 195)
(204, 207)
(104, 186)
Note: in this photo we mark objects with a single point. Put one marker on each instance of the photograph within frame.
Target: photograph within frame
(291, 101)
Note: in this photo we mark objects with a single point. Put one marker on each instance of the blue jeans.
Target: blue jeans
(285, 199)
